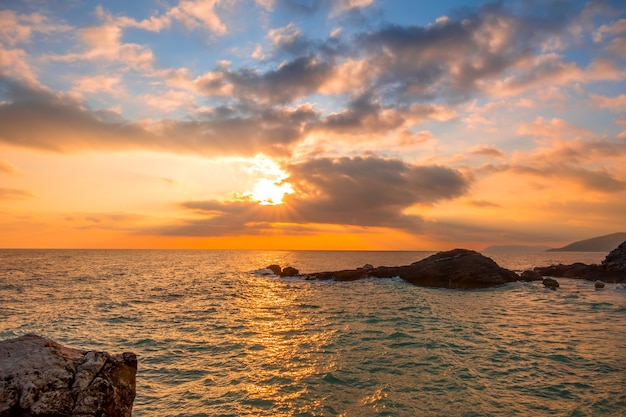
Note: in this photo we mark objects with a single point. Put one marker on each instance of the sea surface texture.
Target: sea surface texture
(215, 339)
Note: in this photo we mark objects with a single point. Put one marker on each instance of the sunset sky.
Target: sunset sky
(303, 124)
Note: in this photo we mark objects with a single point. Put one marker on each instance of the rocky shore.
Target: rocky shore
(40, 377)
(467, 269)
(611, 269)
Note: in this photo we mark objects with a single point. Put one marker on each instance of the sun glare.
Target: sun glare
(269, 192)
(270, 187)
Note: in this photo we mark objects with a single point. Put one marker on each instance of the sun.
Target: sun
(267, 191)
(270, 185)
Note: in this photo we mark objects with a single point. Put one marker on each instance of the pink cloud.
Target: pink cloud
(616, 104)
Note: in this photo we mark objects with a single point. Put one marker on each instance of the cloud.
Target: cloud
(14, 64)
(486, 150)
(14, 194)
(104, 42)
(92, 84)
(170, 100)
(55, 122)
(616, 104)
(454, 55)
(19, 28)
(292, 80)
(7, 168)
(616, 33)
(287, 37)
(363, 192)
(343, 6)
(366, 118)
(192, 14)
(568, 154)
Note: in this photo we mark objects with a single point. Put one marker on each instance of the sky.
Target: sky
(302, 124)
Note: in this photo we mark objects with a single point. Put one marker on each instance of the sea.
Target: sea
(215, 337)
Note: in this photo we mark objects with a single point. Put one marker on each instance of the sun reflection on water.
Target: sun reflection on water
(282, 346)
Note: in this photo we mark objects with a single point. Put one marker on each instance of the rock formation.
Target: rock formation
(39, 377)
(551, 283)
(289, 272)
(612, 269)
(458, 268)
(530, 275)
(275, 269)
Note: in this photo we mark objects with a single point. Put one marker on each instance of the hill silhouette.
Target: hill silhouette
(603, 243)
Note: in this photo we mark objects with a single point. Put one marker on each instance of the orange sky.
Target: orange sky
(168, 126)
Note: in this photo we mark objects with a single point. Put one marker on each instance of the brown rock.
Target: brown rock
(612, 269)
(530, 275)
(289, 272)
(39, 377)
(458, 268)
(276, 269)
(551, 283)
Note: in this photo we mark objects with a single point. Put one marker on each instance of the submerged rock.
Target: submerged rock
(599, 284)
(40, 377)
(551, 283)
(458, 268)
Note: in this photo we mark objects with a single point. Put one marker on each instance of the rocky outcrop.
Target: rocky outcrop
(458, 268)
(276, 269)
(530, 275)
(612, 269)
(575, 270)
(289, 271)
(551, 283)
(39, 377)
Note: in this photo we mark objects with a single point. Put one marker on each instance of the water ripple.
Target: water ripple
(212, 340)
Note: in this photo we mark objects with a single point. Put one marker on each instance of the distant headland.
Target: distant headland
(603, 243)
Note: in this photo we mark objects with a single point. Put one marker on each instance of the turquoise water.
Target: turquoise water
(213, 339)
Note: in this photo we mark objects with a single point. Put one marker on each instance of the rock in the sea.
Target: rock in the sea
(612, 269)
(551, 283)
(616, 259)
(575, 270)
(276, 269)
(289, 272)
(40, 377)
(458, 268)
(530, 275)
(599, 284)
(368, 267)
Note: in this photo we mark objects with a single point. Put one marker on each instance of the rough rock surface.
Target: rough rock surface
(612, 269)
(288, 271)
(276, 269)
(40, 377)
(551, 283)
(458, 268)
(530, 275)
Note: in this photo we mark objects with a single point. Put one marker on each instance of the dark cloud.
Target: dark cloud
(409, 69)
(292, 80)
(364, 192)
(452, 56)
(43, 120)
